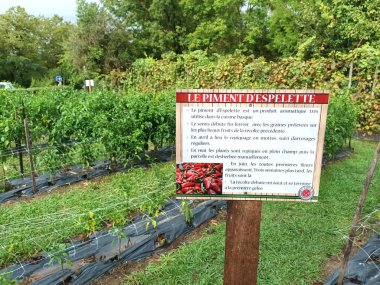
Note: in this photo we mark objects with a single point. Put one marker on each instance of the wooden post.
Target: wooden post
(242, 242)
(29, 149)
(19, 141)
(4, 178)
(355, 222)
(20, 158)
(349, 87)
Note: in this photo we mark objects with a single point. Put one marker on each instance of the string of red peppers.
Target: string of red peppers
(199, 178)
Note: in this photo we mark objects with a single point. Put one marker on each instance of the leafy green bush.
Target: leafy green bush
(341, 122)
(198, 69)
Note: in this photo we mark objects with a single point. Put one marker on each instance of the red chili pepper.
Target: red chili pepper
(216, 175)
(188, 184)
(219, 166)
(207, 182)
(186, 165)
(194, 178)
(190, 173)
(200, 178)
(198, 189)
(215, 187)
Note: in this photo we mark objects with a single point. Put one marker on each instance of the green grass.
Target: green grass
(44, 223)
(296, 238)
(199, 262)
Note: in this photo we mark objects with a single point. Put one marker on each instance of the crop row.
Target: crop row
(78, 127)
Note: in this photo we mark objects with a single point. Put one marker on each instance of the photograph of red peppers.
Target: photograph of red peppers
(199, 178)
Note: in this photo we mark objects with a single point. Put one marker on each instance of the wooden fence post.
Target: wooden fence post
(242, 242)
(29, 149)
(4, 178)
(355, 222)
(19, 141)
(20, 157)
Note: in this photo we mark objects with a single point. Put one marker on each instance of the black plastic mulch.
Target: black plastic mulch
(23, 186)
(102, 252)
(363, 268)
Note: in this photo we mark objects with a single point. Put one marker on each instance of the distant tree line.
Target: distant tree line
(113, 35)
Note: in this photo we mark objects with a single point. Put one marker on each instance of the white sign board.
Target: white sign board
(89, 83)
(250, 150)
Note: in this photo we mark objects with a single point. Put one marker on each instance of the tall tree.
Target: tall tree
(30, 46)
(256, 30)
(351, 23)
(156, 26)
(214, 25)
(160, 26)
(96, 45)
(311, 28)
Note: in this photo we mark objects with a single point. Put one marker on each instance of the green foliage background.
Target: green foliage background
(140, 51)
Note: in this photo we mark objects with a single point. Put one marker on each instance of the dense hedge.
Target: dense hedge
(200, 70)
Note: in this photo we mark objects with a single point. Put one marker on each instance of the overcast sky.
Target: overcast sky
(47, 8)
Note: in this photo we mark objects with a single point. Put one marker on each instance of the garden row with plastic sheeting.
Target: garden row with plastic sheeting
(83, 261)
(23, 187)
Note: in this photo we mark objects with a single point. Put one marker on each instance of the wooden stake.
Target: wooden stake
(19, 141)
(355, 222)
(242, 242)
(4, 178)
(20, 158)
(29, 149)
